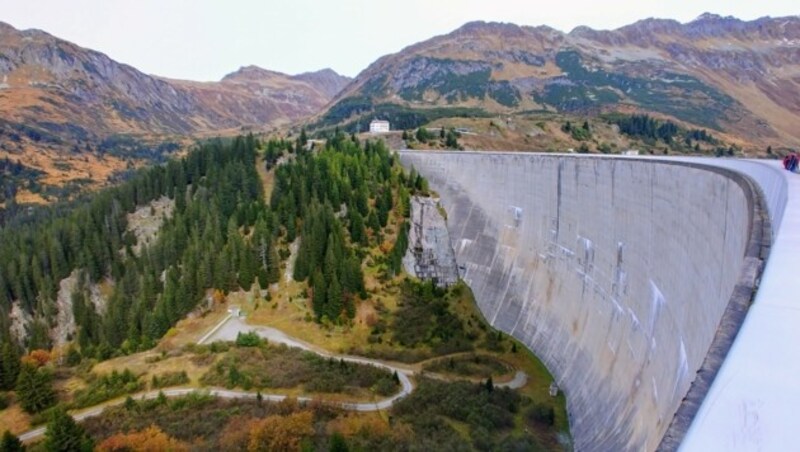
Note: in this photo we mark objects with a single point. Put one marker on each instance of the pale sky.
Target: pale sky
(206, 39)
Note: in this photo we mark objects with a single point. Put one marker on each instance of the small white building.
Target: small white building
(378, 126)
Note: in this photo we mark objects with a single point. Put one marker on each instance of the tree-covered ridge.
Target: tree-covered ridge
(652, 129)
(220, 235)
(339, 200)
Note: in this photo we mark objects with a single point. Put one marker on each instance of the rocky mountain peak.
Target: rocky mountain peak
(326, 80)
(711, 17)
(251, 73)
(492, 28)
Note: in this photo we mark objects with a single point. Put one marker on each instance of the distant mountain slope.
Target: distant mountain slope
(64, 88)
(73, 116)
(733, 76)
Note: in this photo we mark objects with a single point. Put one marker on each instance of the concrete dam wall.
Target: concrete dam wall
(615, 272)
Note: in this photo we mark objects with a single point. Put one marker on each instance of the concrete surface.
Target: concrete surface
(616, 272)
(752, 404)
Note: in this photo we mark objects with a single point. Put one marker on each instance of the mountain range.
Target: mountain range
(63, 88)
(721, 73)
(70, 113)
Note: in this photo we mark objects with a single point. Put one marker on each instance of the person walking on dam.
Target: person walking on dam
(790, 162)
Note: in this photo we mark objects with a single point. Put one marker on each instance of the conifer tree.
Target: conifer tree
(35, 389)
(9, 365)
(10, 443)
(63, 434)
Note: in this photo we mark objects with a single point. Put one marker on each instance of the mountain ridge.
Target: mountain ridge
(36, 61)
(733, 76)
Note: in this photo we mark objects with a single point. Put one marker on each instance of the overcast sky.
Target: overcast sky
(206, 39)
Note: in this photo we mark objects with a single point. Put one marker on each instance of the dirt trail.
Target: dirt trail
(228, 329)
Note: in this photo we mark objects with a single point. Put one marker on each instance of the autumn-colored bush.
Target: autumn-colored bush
(149, 439)
(281, 433)
(236, 434)
(37, 358)
(350, 424)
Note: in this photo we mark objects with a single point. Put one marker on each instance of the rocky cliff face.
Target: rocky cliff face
(715, 72)
(430, 254)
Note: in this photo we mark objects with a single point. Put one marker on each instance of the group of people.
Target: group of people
(791, 161)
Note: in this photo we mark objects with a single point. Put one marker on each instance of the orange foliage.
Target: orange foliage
(219, 296)
(353, 423)
(37, 358)
(386, 247)
(236, 434)
(281, 433)
(147, 440)
(287, 406)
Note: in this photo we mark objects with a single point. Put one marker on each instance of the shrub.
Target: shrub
(250, 339)
(541, 414)
(169, 379)
(107, 387)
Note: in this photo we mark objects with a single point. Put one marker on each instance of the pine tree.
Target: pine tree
(10, 443)
(35, 389)
(65, 435)
(9, 365)
(273, 262)
(373, 223)
(335, 302)
(338, 443)
(320, 289)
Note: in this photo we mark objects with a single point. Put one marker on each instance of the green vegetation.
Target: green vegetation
(268, 366)
(494, 418)
(582, 133)
(217, 196)
(106, 387)
(127, 146)
(425, 318)
(331, 193)
(251, 339)
(652, 130)
(13, 177)
(168, 379)
(471, 365)
(35, 388)
(423, 135)
(10, 443)
(679, 95)
(430, 322)
(456, 80)
(346, 202)
(64, 434)
(447, 138)
(9, 365)
(570, 97)
(357, 111)
(438, 416)
(504, 93)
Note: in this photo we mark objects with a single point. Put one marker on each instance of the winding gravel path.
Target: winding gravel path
(228, 329)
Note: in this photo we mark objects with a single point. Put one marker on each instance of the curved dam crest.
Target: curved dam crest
(614, 272)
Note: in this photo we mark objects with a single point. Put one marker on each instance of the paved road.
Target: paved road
(228, 329)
